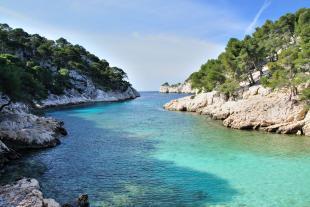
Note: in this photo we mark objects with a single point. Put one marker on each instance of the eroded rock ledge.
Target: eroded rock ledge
(257, 108)
(24, 193)
(19, 130)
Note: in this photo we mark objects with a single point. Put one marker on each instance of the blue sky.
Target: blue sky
(154, 41)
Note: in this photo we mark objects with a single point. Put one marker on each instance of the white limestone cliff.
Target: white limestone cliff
(258, 108)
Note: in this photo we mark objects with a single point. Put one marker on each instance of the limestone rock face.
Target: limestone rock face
(178, 88)
(23, 130)
(258, 108)
(194, 103)
(84, 90)
(262, 111)
(306, 127)
(24, 193)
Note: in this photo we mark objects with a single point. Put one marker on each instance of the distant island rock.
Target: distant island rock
(177, 88)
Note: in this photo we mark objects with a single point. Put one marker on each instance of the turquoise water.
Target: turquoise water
(135, 153)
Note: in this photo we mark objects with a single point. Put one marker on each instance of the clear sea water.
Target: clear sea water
(134, 153)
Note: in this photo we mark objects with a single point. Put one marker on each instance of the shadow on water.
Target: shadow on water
(115, 170)
(136, 154)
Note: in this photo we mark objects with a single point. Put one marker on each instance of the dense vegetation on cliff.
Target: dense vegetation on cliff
(32, 66)
(283, 45)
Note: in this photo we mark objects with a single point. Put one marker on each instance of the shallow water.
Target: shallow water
(136, 154)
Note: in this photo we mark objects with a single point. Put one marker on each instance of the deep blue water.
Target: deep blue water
(134, 153)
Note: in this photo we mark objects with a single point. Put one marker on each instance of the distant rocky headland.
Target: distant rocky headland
(177, 88)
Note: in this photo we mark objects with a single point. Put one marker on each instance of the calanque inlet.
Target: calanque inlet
(259, 83)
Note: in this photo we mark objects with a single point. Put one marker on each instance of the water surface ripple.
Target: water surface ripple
(136, 154)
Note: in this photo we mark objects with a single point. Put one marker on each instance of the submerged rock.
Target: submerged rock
(24, 193)
(258, 108)
(82, 201)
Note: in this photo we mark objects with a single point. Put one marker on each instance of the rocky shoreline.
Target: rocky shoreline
(257, 108)
(26, 193)
(22, 130)
(84, 91)
(19, 129)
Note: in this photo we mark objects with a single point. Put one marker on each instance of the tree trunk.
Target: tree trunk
(294, 90)
(251, 79)
(4, 105)
(260, 69)
(261, 73)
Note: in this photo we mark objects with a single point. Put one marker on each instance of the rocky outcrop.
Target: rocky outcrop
(256, 108)
(177, 88)
(24, 193)
(19, 129)
(83, 90)
(23, 130)
(6, 154)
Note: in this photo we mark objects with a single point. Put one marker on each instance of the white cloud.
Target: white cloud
(8, 12)
(149, 57)
(253, 24)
